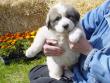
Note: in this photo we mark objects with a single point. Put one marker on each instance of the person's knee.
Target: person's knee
(48, 80)
(38, 71)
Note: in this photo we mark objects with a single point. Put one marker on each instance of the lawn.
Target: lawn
(17, 71)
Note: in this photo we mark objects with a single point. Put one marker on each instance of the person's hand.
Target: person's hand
(51, 48)
(82, 46)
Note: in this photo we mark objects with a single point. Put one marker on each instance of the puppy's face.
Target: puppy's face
(62, 17)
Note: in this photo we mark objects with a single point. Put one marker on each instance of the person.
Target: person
(94, 62)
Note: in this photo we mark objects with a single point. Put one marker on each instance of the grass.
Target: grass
(17, 72)
(13, 73)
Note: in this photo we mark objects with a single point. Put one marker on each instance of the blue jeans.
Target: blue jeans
(40, 74)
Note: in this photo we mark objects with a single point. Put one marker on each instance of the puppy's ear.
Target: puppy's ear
(77, 16)
(48, 22)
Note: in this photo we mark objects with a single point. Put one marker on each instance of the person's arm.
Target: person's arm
(93, 18)
(90, 23)
(98, 61)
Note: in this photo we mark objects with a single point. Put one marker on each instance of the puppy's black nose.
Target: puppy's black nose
(66, 26)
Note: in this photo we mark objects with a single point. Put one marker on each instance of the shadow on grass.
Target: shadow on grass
(17, 56)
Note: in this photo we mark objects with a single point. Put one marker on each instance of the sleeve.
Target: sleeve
(92, 19)
(98, 63)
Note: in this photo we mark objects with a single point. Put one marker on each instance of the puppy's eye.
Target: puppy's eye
(57, 18)
(70, 17)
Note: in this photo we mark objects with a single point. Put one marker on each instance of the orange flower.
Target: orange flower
(12, 38)
(13, 42)
(4, 46)
(9, 41)
(28, 36)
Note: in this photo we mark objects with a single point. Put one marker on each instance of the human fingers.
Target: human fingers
(52, 50)
(51, 42)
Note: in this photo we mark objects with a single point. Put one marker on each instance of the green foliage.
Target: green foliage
(24, 44)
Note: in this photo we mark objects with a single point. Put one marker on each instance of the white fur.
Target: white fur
(59, 27)
(69, 57)
(61, 9)
(55, 63)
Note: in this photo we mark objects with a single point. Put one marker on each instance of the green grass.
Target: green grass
(17, 72)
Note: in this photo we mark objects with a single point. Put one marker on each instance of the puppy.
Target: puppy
(62, 24)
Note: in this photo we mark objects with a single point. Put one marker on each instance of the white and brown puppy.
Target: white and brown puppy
(62, 24)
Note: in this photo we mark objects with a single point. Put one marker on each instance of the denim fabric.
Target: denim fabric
(95, 68)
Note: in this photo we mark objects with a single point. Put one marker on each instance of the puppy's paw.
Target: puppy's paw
(74, 36)
(57, 77)
(28, 53)
(55, 72)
